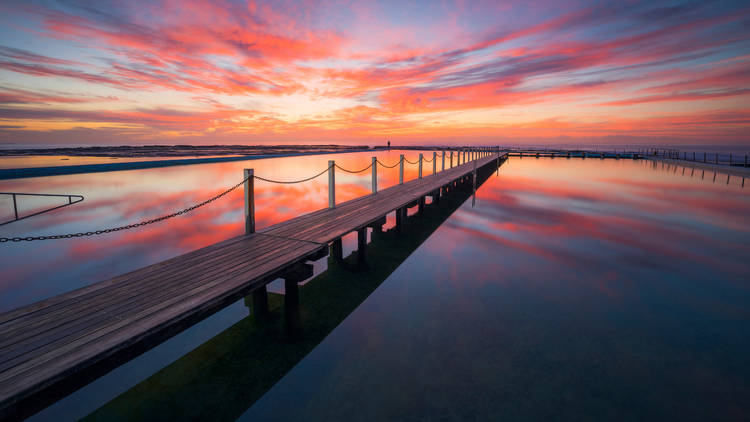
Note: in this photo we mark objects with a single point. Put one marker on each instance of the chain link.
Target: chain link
(415, 162)
(353, 172)
(291, 182)
(389, 167)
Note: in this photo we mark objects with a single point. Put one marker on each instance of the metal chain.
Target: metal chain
(426, 160)
(389, 167)
(410, 161)
(291, 182)
(353, 172)
(151, 221)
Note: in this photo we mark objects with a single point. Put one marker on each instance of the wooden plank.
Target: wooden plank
(112, 307)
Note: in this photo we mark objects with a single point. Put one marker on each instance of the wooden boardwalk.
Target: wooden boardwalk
(58, 344)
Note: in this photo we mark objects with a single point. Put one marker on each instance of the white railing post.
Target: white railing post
(374, 175)
(331, 184)
(249, 201)
(434, 162)
(401, 170)
(420, 165)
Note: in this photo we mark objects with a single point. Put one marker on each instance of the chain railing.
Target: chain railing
(352, 171)
(291, 182)
(208, 201)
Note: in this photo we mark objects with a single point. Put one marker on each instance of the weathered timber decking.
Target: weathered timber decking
(62, 342)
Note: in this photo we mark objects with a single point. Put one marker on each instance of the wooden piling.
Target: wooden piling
(337, 250)
(401, 170)
(249, 201)
(260, 303)
(331, 184)
(298, 273)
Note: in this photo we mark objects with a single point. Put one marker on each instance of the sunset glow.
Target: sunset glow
(213, 72)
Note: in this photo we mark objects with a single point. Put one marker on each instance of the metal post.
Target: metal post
(331, 184)
(374, 175)
(401, 170)
(442, 168)
(420, 165)
(249, 175)
(451, 158)
(434, 162)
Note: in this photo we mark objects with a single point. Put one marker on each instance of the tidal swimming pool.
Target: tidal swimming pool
(566, 289)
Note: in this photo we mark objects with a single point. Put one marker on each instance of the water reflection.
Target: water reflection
(572, 290)
(220, 379)
(118, 198)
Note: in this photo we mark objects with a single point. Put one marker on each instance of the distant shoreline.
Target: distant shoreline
(29, 172)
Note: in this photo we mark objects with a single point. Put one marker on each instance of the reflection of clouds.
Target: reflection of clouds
(609, 225)
(119, 198)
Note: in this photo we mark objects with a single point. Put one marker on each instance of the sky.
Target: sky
(433, 72)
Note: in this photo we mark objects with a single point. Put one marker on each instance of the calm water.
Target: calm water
(572, 289)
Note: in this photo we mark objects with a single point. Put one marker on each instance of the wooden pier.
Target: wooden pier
(573, 154)
(51, 347)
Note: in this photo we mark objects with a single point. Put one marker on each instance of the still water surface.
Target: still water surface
(594, 290)
(575, 289)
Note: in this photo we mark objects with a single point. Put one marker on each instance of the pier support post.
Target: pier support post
(374, 175)
(361, 247)
(401, 170)
(260, 303)
(420, 210)
(337, 251)
(291, 297)
(331, 184)
(249, 201)
(420, 165)
(400, 219)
